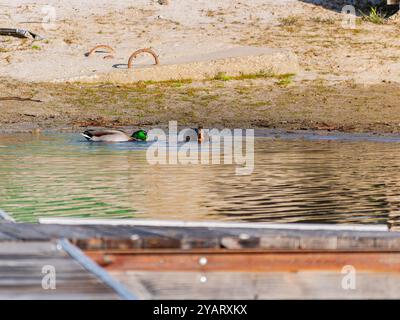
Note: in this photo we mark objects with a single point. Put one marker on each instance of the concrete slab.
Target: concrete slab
(232, 62)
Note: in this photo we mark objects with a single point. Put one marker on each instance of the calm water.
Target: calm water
(294, 180)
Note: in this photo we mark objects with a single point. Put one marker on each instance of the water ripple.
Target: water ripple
(295, 180)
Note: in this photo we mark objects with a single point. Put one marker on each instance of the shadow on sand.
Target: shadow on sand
(360, 5)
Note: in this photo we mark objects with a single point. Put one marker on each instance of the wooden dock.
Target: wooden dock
(145, 259)
(24, 266)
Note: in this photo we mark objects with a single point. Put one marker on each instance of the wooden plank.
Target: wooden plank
(21, 273)
(135, 284)
(260, 285)
(213, 224)
(6, 237)
(125, 237)
(94, 269)
(245, 260)
(271, 239)
(23, 232)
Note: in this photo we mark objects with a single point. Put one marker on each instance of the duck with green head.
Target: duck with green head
(109, 135)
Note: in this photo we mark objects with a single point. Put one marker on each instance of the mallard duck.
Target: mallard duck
(201, 135)
(114, 135)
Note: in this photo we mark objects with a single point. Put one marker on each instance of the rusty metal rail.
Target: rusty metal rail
(244, 260)
(144, 50)
(100, 46)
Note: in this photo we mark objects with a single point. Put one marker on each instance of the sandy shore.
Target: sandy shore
(345, 79)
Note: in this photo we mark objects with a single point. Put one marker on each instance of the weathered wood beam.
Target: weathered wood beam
(244, 260)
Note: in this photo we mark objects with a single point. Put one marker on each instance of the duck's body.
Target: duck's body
(113, 135)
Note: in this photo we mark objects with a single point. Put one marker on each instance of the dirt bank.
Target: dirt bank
(348, 79)
(268, 102)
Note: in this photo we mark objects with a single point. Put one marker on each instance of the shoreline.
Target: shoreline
(268, 102)
(332, 82)
(259, 133)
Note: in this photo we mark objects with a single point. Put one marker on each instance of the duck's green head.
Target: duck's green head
(140, 135)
